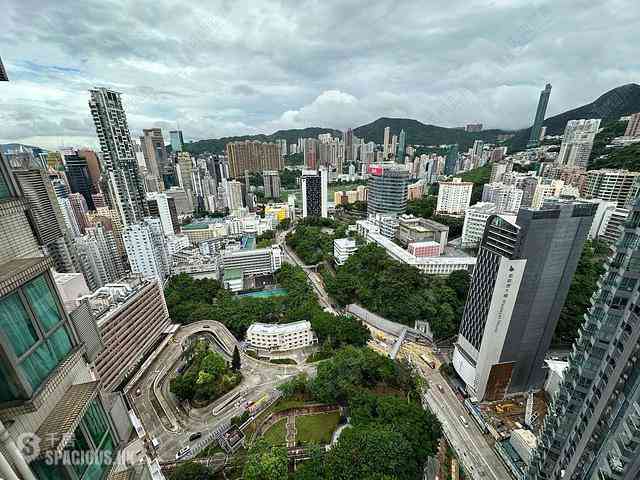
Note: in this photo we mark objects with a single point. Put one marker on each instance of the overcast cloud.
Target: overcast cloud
(234, 67)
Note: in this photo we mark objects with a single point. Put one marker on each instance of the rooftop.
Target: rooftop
(278, 328)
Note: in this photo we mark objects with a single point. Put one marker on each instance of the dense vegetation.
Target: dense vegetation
(294, 159)
(311, 243)
(479, 176)
(425, 207)
(206, 377)
(192, 300)
(589, 269)
(390, 436)
(400, 292)
(626, 157)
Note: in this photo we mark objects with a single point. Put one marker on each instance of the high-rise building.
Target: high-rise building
(79, 176)
(475, 221)
(498, 169)
(577, 142)
(91, 264)
(253, 156)
(155, 154)
(177, 142)
(310, 149)
(633, 126)
(348, 147)
(108, 249)
(387, 188)
(385, 145)
(79, 208)
(541, 111)
(47, 389)
(93, 167)
(314, 193)
(146, 247)
(520, 282)
(48, 218)
(3, 73)
(163, 207)
(591, 428)
(233, 193)
(611, 185)
(401, 147)
(454, 196)
(451, 162)
(271, 180)
(507, 198)
(125, 187)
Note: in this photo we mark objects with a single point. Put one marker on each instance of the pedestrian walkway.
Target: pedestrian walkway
(291, 430)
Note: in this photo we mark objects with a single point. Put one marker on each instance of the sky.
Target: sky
(235, 67)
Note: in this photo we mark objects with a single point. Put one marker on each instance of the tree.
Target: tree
(266, 462)
(190, 471)
(235, 361)
(183, 386)
(213, 364)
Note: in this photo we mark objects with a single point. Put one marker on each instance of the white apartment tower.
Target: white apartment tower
(146, 248)
(454, 197)
(578, 142)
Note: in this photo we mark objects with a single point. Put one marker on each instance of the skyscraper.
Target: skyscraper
(541, 111)
(522, 276)
(348, 147)
(314, 193)
(451, 162)
(155, 155)
(78, 175)
(176, 139)
(146, 247)
(385, 145)
(271, 180)
(120, 167)
(46, 386)
(592, 426)
(253, 156)
(401, 147)
(234, 195)
(387, 189)
(577, 142)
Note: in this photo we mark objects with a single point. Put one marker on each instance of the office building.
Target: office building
(132, 316)
(79, 177)
(343, 248)
(591, 428)
(507, 198)
(577, 142)
(119, 164)
(184, 174)
(314, 193)
(48, 391)
(401, 147)
(176, 140)
(147, 250)
(610, 185)
(541, 111)
(48, 217)
(385, 145)
(451, 161)
(454, 197)
(93, 167)
(633, 126)
(271, 179)
(281, 338)
(348, 147)
(253, 156)
(163, 207)
(261, 261)
(387, 189)
(475, 221)
(523, 273)
(412, 229)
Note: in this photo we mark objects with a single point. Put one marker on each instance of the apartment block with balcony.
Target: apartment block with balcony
(46, 387)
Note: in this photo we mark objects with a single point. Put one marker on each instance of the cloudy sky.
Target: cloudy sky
(233, 67)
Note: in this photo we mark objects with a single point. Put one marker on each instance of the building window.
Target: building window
(39, 340)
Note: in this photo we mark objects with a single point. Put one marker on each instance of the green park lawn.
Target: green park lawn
(317, 428)
(277, 434)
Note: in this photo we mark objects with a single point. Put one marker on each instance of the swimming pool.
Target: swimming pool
(276, 292)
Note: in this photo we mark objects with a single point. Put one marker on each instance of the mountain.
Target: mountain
(217, 145)
(610, 106)
(419, 133)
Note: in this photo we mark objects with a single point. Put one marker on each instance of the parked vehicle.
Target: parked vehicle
(195, 436)
(464, 421)
(183, 452)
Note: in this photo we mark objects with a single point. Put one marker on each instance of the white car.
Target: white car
(183, 452)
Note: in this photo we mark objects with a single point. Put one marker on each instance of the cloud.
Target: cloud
(236, 67)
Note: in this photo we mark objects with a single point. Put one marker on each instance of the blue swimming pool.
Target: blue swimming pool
(276, 292)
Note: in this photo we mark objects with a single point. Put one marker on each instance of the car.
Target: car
(464, 421)
(195, 436)
(206, 326)
(183, 452)
(440, 388)
(138, 392)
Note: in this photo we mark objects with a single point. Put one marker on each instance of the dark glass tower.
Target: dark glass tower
(387, 189)
(79, 178)
(534, 138)
(451, 162)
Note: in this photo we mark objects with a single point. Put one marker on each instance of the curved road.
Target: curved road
(259, 382)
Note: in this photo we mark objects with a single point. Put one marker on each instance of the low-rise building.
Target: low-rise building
(343, 248)
(426, 248)
(261, 261)
(524, 443)
(415, 229)
(233, 280)
(281, 337)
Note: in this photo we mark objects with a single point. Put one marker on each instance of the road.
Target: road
(172, 430)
